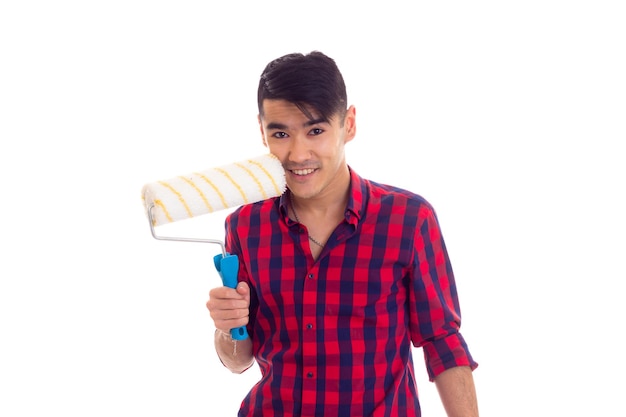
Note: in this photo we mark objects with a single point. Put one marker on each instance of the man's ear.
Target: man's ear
(349, 123)
(262, 130)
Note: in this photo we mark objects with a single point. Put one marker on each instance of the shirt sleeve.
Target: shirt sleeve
(434, 312)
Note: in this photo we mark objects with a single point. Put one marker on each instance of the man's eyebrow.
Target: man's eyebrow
(280, 126)
(276, 126)
(315, 121)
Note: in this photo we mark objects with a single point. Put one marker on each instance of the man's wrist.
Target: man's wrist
(227, 336)
(223, 334)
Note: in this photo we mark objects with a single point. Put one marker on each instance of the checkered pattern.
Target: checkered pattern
(333, 337)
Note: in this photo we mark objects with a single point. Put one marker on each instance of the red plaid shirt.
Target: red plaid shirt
(333, 337)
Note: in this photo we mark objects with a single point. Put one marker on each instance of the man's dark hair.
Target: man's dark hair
(312, 80)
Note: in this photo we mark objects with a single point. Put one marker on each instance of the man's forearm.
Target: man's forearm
(236, 355)
(457, 392)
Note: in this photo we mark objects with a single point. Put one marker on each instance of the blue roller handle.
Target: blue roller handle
(228, 268)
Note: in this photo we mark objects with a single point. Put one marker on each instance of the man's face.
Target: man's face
(311, 149)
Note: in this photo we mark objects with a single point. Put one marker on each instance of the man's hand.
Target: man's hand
(229, 308)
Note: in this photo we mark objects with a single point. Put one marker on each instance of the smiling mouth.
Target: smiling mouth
(302, 172)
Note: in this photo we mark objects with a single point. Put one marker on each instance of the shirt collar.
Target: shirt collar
(357, 200)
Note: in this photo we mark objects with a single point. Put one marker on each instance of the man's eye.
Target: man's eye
(280, 135)
(317, 131)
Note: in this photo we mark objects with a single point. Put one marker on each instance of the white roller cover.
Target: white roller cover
(214, 189)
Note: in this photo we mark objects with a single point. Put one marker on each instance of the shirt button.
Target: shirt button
(311, 276)
(309, 326)
(309, 375)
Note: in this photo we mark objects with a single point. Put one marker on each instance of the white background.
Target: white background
(507, 116)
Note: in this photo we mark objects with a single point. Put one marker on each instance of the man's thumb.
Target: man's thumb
(243, 288)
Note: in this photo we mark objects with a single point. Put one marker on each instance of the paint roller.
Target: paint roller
(214, 189)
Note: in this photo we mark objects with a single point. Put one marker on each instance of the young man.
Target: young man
(339, 276)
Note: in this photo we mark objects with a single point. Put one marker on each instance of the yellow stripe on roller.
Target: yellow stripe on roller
(167, 214)
(262, 168)
(237, 186)
(200, 193)
(254, 178)
(217, 190)
(179, 195)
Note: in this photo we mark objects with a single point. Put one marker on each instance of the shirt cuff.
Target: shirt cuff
(446, 353)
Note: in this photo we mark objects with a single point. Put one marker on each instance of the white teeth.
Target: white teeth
(302, 171)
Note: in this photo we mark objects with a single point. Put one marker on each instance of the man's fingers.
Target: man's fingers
(230, 322)
(224, 293)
